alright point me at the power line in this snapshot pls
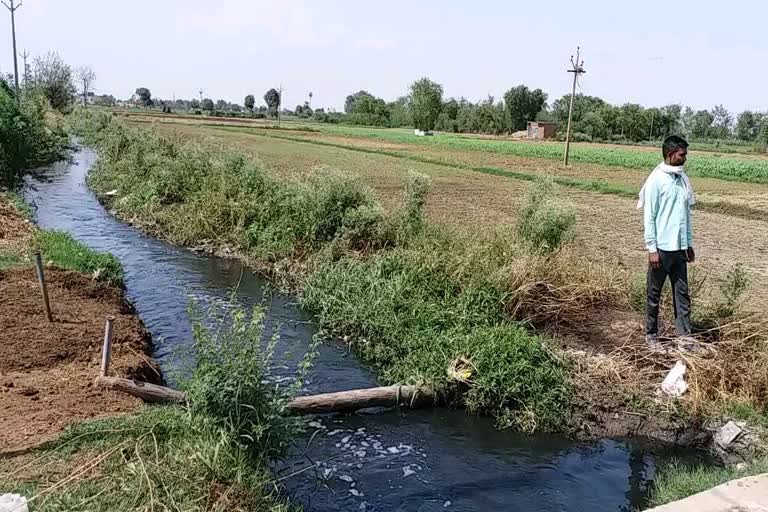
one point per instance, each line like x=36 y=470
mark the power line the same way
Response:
x=577 y=68
x=12 y=8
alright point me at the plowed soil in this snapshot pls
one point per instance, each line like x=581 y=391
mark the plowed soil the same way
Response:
x=47 y=369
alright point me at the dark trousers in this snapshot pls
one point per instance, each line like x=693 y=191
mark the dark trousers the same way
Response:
x=675 y=266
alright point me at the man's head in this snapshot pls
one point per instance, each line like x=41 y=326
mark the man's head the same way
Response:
x=675 y=150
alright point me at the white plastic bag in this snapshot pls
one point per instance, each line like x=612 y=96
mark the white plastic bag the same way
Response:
x=13 y=502
x=674 y=383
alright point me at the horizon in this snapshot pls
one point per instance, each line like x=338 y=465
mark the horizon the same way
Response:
x=338 y=48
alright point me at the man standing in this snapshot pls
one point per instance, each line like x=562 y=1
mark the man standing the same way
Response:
x=666 y=199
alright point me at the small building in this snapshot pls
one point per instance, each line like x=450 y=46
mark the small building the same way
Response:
x=541 y=130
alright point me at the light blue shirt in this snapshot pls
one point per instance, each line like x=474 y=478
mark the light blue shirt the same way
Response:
x=667 y=213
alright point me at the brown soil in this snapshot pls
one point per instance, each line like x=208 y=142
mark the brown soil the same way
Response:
x=47 y=370
x=15 y=231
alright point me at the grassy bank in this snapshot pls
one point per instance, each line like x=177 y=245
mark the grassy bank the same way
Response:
x=414 y=299
x=676 y=482
x=57 y=247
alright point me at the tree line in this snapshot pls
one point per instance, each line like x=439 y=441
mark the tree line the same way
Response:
x=424 y=107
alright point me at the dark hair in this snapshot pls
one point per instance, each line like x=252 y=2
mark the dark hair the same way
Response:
x=672 y=144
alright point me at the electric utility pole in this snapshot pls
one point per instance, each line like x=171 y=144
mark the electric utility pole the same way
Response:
x=13 y=8
x=25 y=56
x=279 y=103
x=201 y=98
x=577 y=68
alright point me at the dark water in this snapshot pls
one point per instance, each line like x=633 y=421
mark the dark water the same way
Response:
x=394 y=461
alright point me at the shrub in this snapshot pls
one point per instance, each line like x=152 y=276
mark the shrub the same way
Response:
x=27 y=137
x=543 y=223
x=233 y=384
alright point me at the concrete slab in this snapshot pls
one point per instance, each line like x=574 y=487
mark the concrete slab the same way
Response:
x=748 y=494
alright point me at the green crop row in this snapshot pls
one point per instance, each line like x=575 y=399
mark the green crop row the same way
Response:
x=750 y=170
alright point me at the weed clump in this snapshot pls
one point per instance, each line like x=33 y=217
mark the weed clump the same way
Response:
x=543 y=223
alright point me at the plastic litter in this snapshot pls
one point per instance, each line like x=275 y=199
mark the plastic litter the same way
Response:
x=13 y=502
x=674 y=383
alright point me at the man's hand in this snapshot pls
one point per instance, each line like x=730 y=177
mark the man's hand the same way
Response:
x=691 y=254
x=654 y=260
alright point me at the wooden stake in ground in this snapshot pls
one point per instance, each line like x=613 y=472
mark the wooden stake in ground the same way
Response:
x=43 y=288
x=106 y=351
x=577 y=69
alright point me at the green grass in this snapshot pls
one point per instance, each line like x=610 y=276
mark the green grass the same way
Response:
x=64 y=251
x=414 y=310
x=678 y=481
x=703 y=165
x=10 y=259
x=328 y=236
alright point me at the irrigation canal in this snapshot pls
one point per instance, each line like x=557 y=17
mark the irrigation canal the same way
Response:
x=426 y=460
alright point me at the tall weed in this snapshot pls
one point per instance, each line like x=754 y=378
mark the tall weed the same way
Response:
x=544 y=223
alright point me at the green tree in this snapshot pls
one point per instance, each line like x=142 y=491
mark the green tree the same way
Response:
x=426 y=102
x=222 y=105
x=207 y=104
x=145 y=96
x=365 y=109
x=701 y=124
x=272 y=99
x=521 y=105
x=746 y=126
x=400 y=112
x=249 y=102
x=194 y=103
x=54 y=80
x=722 y=122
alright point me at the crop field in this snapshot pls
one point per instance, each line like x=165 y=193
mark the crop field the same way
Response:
x=608 y=224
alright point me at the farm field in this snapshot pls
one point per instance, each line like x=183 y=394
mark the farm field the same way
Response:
x=609 y=226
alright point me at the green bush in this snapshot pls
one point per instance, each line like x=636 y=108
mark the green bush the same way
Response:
x=26 y=140
x=65 y=251
x=232 y=383
x=411 y=312
x=543 y=223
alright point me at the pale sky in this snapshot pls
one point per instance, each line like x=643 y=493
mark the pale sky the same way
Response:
x=653 y=52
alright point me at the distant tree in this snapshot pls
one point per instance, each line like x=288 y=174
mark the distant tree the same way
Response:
x=426 y=102
x=194 y=103
x=180 y=104
x=104 y=100
x=522 y=105
x=234 y=107
x=747 y=127
x=701 y=124
x=365 y=109
x=54 y=80
x=207 y=104
x=272 y=99
x=400 y=112
x=355 y=102
x=722 y=122
x=85 y=77
x=145 y=96
x=221 y=105
x=249 y=102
